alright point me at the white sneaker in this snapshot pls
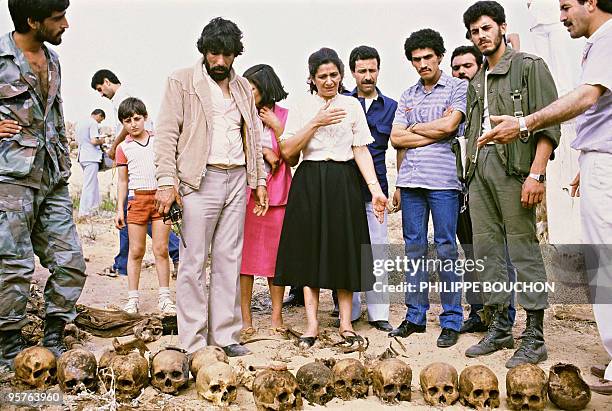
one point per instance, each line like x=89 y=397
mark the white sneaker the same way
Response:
x=166 y=306
x=131 y=307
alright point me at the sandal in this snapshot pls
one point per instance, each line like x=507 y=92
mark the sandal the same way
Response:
x=109 y=272
x=352 y=338
x=247 y=332
x=282 y=330
x=307 y=342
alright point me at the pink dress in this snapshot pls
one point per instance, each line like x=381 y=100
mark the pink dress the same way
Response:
x=262 y=234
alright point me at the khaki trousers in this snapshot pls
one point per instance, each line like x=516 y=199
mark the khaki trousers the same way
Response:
x=213 y=218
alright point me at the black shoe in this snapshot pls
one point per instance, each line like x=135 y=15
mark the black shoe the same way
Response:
x=473 y=325
x=293 y=300
x=406 y=328
x=11 y=344
x=532 y=349
x=236 y=350
x=54 y=335
x=381 y=325
x=447 y=338
x=498 y=336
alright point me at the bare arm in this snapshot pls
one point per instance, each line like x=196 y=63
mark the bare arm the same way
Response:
x=122 y=191
x=440 y=128
x=363 y=158
x=403 y=138
x=118 y=140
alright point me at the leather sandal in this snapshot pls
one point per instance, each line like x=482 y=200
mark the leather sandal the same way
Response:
x=352 y=337
x=307 y=342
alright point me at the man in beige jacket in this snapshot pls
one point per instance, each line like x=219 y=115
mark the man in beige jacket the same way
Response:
x=208 y=145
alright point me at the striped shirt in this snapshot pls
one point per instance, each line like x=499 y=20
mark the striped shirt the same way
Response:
x=432 y=167
x=138 y=158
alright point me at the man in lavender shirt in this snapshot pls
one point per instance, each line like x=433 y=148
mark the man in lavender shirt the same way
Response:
x=591 y=102
x=427 y=178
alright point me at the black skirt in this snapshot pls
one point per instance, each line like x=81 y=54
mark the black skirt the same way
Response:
x=325 y=242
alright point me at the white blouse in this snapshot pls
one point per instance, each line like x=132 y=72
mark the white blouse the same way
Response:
x=333 y=142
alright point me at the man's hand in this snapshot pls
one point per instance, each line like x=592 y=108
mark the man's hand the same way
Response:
x=119 y=219
x=532 y=193
x=448 y=111
x=261 y=201
x=575 y=184
x=271 y=158
x=165 y=197
x=379 y=204
x=327 y=116
x=396 y=203
x=111 y=152
x=8 y=128
x=506 y=130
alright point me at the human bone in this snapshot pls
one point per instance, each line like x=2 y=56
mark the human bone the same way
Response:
x=207 y=356
x=149 y=330
x=36 y=366
x=77 y=371
x=276 y=390
x=566 y=388
x=217 y=383
x=391 y=380
x=478 y=387
x=316 y=383
x=439 y=384
x=128 y=373
x=169 y=370
x=350 y=379
x=526 y=387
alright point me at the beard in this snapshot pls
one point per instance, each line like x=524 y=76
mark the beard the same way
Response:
x=218 y=73
x=496 y=44
x=43 y=35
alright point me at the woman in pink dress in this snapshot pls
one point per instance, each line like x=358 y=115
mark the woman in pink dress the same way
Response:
x=262 y=234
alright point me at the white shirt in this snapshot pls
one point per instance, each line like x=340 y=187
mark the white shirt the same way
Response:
x=85 y=131
x=544 y=12
x=486 y=121
x=226 y=148
x=333 y=142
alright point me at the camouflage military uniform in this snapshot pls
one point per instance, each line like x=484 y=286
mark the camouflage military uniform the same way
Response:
x=35 y=206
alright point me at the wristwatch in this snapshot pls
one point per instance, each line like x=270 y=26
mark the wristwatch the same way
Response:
x=540 y=178
x=524 y=132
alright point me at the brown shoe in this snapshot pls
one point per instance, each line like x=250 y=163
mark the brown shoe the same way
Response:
x=598 y=370
x=603 y=387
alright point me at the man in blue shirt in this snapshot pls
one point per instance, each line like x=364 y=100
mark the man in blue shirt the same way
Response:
x=428 y=182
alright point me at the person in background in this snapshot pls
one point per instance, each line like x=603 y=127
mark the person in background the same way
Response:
x=262 y=234
x=90 y=154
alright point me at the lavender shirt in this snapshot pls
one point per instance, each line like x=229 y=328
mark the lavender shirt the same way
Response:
x=594 y=127
x=433 y=166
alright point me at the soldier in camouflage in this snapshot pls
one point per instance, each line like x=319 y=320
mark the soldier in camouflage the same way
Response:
x=35 y=206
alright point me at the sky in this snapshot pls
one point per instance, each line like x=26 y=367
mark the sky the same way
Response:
x=142 y=41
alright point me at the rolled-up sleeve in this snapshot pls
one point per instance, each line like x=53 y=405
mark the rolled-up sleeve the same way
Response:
x=595 y=72
x=542 y=91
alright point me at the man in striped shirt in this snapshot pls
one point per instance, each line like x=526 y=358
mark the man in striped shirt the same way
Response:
x=427 y=178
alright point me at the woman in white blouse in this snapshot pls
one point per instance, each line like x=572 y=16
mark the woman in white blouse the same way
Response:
x=325 y=240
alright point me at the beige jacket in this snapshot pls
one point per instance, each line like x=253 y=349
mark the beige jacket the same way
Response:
x=185 y=127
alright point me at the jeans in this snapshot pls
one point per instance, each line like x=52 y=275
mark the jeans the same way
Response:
x=444 y=206
x=120 y=264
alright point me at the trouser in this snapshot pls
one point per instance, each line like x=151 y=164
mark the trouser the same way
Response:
x=444 y=206
x=90 y=193
x=38 y=222
x=378 y=302
x=213 y=218
x=120 y=264
x=595 y=200
x=500 y=221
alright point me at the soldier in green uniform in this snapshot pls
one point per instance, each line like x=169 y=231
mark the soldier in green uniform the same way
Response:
x=506 y=182
x=35 y=207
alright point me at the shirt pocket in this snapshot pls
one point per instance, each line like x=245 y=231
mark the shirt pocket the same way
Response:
x=16 y=103
x=17 y=155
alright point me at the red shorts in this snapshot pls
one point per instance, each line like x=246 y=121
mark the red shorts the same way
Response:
x=141 y=209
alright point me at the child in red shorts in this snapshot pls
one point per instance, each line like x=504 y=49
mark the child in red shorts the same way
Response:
x=137 y=174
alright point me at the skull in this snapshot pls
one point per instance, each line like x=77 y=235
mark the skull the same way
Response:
x=315 y=381
x=36 y=366
x=439 y=384
x=149 y=330
x=169 y=370
x=130 y=373
x=207 y=356
x=478 y=387
x=217 y=383
x=350 y=379
x=566 y=388
x=526 y=388
x=276 y=390
x=76 y=371
x=391 y=380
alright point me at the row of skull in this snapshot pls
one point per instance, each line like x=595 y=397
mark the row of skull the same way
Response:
x=527 y=385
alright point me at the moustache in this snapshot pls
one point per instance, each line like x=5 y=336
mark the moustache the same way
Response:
x=367 y=82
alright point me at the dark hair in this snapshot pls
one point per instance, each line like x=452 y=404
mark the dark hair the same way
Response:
x=484 y=8
x=603 y=5
x=98 y=112
x=221 y=36
x=131 y=106
x=37 y=10
x=99 y=76
x=363 y=53
x=461 y=50
x=320 y=57
x=267 y=82
x=423 y=39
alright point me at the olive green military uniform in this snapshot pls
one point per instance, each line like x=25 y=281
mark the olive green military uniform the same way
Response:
x=496 y=174
x=35 y=206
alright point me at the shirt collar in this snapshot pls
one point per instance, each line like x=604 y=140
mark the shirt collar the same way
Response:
x=380 y=96
x=443 y=81
x=603 y=29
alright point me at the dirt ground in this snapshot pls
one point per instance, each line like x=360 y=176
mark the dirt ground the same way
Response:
x=573 y=339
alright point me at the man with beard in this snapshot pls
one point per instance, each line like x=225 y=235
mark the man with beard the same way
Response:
x=35 y=207
x=207 y=151
x=591 y=102
x=507 y=182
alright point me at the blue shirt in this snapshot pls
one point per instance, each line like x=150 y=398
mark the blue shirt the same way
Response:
x=434 y=166
x=380 y=119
